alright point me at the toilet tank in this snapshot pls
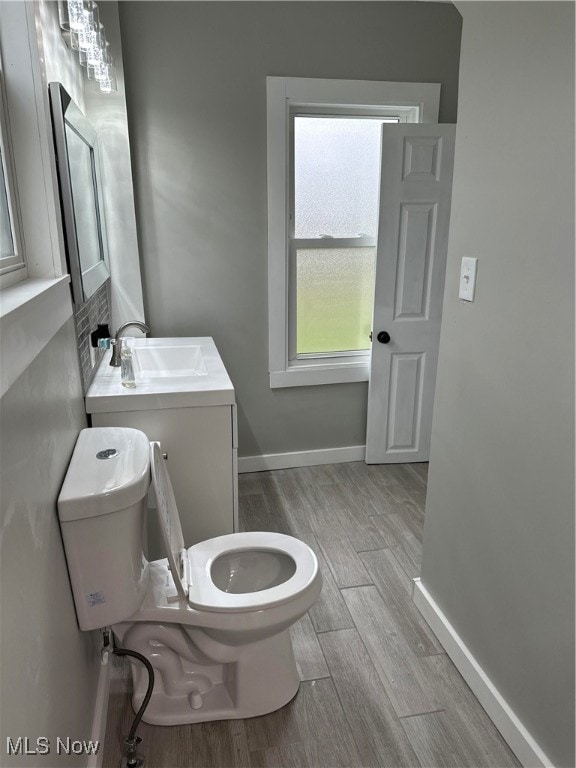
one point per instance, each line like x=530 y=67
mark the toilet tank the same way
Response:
x=102 y=511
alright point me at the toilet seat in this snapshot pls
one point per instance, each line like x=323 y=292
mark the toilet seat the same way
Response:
x=191 y=569
x=204 y=595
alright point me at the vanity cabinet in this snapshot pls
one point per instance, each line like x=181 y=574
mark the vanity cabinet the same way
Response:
x=195 y=422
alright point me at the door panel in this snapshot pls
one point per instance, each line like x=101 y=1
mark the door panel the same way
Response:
x=415 y=193
x=415 y=253
x=405 y=401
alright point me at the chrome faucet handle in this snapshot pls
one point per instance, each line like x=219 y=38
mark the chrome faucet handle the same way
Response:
x=132 y=324
x=116 y=342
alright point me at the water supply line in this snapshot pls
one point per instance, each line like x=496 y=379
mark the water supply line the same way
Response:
x=130 y=758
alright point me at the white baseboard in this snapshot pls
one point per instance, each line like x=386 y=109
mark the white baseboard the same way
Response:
x=301 y=458
x=101 y=712
x=515 y=734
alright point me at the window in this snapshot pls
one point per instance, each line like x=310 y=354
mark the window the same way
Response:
x=12 y=267
x=332 y=239
x=323 y=186
x=34 y=299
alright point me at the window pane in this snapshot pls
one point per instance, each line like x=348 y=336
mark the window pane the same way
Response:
x=6 y=242
x=336 y=170
x=335 y=296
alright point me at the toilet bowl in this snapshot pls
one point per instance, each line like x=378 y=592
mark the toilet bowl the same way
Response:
x=213 y=619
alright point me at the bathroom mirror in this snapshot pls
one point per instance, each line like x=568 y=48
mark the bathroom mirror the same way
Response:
x=80 y=195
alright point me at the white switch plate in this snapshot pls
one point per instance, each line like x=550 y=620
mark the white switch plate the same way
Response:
x=467 y=278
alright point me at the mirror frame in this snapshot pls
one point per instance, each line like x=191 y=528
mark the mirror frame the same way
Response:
x=85 y=282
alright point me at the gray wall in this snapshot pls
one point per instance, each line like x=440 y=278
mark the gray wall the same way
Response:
x=195 y=75
x=44 y=658
x=107 y=113
x=499 y=535
x=49 y=667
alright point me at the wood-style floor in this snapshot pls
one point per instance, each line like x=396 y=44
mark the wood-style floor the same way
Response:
x=377 y=689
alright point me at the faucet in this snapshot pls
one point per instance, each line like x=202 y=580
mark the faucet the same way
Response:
x=116 y=342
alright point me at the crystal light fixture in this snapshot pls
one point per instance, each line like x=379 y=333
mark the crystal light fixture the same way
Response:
x=83 y=32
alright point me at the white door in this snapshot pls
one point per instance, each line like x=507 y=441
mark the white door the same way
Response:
x=415 y=195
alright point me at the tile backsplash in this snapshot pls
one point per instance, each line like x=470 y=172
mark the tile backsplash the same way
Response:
x=87 y=317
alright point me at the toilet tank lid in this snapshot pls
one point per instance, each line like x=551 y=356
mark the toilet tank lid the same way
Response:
x=109 y=471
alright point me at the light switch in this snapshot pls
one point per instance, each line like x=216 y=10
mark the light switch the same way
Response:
x=467 y=278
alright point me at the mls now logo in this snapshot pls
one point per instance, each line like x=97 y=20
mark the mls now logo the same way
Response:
x=68 y=746
x=42 y=746
x=25 y=746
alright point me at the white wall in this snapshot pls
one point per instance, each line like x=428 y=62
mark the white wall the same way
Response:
x=196 y=93
x=499 y=536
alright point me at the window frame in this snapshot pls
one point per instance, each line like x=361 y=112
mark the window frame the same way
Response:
x=286 y=98
x=13 y=268
x=35 y=308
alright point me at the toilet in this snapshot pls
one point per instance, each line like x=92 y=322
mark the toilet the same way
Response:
x=212 y=619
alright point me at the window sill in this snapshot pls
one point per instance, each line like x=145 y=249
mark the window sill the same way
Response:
x=31 y=313
x=320 y=373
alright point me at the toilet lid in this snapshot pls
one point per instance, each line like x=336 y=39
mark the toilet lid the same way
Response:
x=191 y=570
x=169 y=520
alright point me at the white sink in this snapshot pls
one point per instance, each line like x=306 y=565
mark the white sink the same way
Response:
x=169 y=373
x=159 y=359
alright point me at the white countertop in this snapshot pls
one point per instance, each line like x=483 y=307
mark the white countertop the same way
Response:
x=107 y=395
